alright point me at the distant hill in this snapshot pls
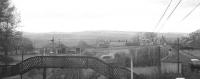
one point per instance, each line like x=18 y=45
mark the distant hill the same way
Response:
x=90 y=37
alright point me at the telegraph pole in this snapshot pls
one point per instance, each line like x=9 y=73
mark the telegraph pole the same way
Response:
x=159 y=62
x=178 y=48
x=59 y=51
x=132 y=66
x=53 y=47
x=178 y=57
x=132 y=63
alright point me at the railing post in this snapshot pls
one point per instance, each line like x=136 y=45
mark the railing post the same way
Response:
x=44 y=67
x=2 y=71
x=111 y=73
x=44 y=73
x=21 y=76
x=87 y=62
x=21 y=69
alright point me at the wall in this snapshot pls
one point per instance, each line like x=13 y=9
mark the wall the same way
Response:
x=170 y=67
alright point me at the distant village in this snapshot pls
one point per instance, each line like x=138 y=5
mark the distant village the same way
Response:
x=59 y=48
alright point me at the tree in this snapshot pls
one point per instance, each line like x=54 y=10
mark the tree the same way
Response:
x=26 y=44
x=194 y=38
x=83 y=45
x=150 y=35
x=121 y=59
x=191 y=41
x=9 y=20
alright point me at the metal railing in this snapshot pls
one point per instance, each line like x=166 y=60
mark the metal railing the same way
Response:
x=76 y=62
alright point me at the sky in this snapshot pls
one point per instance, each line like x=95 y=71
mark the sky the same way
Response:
x=108 y=15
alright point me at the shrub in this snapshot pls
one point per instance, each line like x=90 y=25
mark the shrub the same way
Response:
x=6 y=59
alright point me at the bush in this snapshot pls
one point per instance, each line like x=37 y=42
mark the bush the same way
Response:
x=6 y=59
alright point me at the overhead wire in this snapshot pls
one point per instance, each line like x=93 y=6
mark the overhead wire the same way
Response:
x=174 y=9
x=185 y=17
x=159 y=21
x=191 y=11
x=161 y=26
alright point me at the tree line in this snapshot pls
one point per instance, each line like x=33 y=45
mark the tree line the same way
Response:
x=10 y=38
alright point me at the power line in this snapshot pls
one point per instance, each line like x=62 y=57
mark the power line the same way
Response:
x=170 y=14
x=174 y=9
x=191 y=11
x=161 y=26
x=163 y=14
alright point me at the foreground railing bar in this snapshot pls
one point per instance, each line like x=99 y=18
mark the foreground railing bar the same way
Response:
x=77 y=62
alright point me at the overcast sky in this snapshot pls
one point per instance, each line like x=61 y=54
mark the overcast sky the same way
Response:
x=115 y=15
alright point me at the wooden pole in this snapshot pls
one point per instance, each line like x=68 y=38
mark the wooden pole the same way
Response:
x=159 y=63
x=178 y=57
x=132 y=66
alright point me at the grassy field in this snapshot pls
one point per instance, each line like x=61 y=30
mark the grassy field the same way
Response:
x=145 y=61
x=193 y=52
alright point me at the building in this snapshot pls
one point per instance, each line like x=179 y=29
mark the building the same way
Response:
x=169 y=64
x=118 y=43
x=55 y=48
x=103 y=44
x=111 y=43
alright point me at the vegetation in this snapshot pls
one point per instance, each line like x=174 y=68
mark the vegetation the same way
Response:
x=148 y=56
x=192 y=39
x=9 y=20
x=150 y=35
x=27 y=44
x=122 y=60
x=83 y=45
x=5 y=59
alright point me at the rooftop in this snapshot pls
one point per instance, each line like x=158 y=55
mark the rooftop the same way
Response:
x=183 y=57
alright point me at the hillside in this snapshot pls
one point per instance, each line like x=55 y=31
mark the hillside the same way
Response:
x=91 y=37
